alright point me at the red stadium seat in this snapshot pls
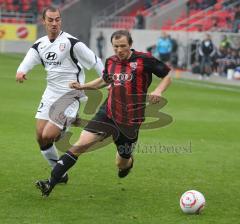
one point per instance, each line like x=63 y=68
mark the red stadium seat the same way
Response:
x=40 y=6
x=48 y=2
x=193 y=28
x=26 y=5
x=218 y=6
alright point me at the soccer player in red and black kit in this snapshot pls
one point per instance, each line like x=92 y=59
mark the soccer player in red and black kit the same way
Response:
x=128 y=74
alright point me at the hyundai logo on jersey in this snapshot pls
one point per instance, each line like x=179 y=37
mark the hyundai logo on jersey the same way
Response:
x=51 y=56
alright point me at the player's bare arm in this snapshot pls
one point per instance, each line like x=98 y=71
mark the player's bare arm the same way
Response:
x=155 y=96
x=95 y=84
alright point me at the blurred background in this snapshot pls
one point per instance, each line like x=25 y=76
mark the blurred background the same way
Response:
x=173 y=28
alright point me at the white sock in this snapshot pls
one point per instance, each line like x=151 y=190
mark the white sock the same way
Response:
x=51 y=155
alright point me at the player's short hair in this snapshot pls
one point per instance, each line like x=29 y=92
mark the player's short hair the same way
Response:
x=50 y=9
x=119 y=33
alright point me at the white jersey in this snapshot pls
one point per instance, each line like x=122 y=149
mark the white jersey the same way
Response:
x=64 y=59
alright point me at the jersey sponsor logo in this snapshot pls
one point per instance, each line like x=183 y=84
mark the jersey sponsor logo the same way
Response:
x=62 y=46
x=55 y=63
x=51 y=56
x=121 y=78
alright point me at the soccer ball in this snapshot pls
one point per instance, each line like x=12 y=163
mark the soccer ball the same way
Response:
x=192 y=202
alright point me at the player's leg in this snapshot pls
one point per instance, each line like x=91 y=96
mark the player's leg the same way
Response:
x=125 y=145
x=86 y=140
x=46 y=133
x=96 y=130
x=124 y=161
x=46 y=145
x=67 y=160
x=40 y=124
x=50 y=125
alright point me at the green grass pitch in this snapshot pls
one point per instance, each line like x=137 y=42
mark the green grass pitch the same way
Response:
x=205 y=115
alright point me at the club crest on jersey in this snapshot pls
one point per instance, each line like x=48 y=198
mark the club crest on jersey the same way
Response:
x=133 y=65
x=62 y=46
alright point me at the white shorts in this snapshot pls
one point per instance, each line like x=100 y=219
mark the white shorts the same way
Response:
x=61 y=111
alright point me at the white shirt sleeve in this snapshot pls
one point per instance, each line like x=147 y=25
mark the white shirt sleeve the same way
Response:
x=31 y=59
x=87 y=58
x=99 y=67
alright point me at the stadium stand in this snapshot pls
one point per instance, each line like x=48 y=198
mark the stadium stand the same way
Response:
x=124 y=15
x=202 y=15
x=216 y=17
x=195 y=15
x=26 y=11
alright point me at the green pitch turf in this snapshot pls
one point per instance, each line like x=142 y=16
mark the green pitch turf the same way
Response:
x=198 y=150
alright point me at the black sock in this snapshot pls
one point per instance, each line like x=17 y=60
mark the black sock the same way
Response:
x=65 y=162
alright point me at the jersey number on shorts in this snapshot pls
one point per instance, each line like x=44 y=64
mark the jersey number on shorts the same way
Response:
x=40 y=107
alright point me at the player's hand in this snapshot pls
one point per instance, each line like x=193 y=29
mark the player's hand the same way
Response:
x=154 y=97
x=20 y=77
x=75 y=85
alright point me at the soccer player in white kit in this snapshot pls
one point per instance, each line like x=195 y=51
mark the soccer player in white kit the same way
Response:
x=64 y=58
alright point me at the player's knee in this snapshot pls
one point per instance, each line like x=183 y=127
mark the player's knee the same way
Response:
x=47 y=137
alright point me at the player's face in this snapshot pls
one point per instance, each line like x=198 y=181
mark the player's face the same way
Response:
x=122 y=48
x=53 y=23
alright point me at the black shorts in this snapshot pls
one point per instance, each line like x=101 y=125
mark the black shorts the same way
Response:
x=124 y=136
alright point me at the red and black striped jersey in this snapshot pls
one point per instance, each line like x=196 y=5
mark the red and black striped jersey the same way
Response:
x=129 y=81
